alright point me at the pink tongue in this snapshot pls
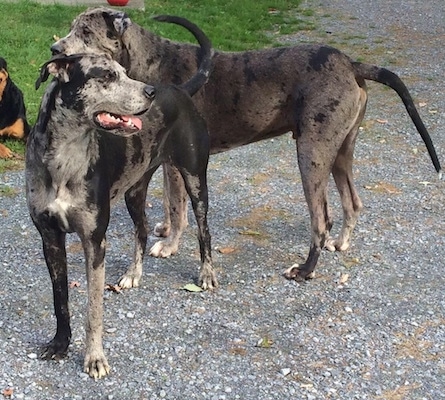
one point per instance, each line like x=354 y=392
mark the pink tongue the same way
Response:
x=135 y=121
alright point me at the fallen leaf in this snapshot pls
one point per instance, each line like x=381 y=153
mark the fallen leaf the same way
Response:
x=238 y=351
x=226 y=250
x=422 y=104
x=250 y=232
x=74 y=284
x=383 y=187
x=343 y=279
x=265 y=343
x=113 y=288
x=191 y=287
x=8 y=392
x=306 y=385
x=350 y=262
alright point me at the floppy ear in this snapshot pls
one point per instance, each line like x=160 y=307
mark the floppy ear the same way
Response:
x=3 y=64
x=58 y=67
x=118 y=21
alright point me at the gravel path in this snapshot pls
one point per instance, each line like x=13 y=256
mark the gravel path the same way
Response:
x=370 y=326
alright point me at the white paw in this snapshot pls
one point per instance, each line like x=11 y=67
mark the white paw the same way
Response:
x=96 y=366
x=207 y=278
x=163 y=249
x=336 y=245
x=330 y=245
x=129 y=281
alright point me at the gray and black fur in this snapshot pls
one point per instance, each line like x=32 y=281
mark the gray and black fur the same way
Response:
x=315 y=91
x=86 y=151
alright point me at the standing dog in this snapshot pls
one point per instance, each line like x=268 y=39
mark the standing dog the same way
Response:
x=13 y=122
x=315 y=91
x=91 y=145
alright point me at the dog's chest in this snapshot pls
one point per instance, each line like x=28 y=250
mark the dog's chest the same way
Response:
x=65 y=197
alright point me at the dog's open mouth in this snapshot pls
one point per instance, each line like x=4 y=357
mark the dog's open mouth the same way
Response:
x=128 y=123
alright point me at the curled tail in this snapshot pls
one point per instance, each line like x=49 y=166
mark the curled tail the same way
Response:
x=201 y=77
x=388 y=78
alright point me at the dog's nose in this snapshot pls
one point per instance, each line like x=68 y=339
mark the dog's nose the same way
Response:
x=56 y=49
x=150 y=91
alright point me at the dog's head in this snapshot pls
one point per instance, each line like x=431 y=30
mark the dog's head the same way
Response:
x=96 y=89
x=97 y=30
x=3 y=76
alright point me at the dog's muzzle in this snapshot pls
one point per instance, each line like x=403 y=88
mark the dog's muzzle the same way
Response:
x=56 y=48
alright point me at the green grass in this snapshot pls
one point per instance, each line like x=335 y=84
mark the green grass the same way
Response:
x=232 y=25
x=7 y=191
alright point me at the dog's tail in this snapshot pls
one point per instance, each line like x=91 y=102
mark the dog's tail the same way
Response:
x=206 y=53
x=388 y=78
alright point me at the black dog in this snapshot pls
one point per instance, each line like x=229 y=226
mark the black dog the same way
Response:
x=84 y=153
x=13 y=122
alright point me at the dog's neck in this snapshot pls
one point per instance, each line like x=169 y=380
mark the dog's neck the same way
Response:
x=158 y=67
x=67 y=147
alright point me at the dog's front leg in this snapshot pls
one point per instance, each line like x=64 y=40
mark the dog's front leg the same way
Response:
x=175 y=218
x=95 y=362
x=55 y=256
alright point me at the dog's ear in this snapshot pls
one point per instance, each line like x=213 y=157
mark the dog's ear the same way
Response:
x=3 y=64
x=59 y=67
x=117 y=21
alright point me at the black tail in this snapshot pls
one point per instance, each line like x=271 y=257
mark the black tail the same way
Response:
x=201 y=77
x=388 y=78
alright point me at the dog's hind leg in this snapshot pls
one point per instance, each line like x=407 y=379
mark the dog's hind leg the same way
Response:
x=325 y=132
x=55 y=256
x=175 y=214
x=135 y=201
x=196 y=187
x=351 y=203
x=315 y=176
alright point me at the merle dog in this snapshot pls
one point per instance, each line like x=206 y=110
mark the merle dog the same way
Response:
x=100 y=135
x=315 y=91
x=13 y=122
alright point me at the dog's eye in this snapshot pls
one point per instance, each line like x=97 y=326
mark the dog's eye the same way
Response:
x=111 y=76
x=108 y=76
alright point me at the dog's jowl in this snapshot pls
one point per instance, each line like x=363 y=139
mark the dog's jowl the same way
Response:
x=99 y=136
x=13 y=122
x=314 y=91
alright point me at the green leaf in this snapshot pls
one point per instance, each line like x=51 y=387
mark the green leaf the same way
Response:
x=191 y=287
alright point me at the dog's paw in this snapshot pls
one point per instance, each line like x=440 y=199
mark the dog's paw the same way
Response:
x=332 y=244
x=207 y=278
x=5 y=152
x=129 y=281
x=55 y=350
x=161 y=229
x=297 y=273
x=96 y=365
x=163 y=249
